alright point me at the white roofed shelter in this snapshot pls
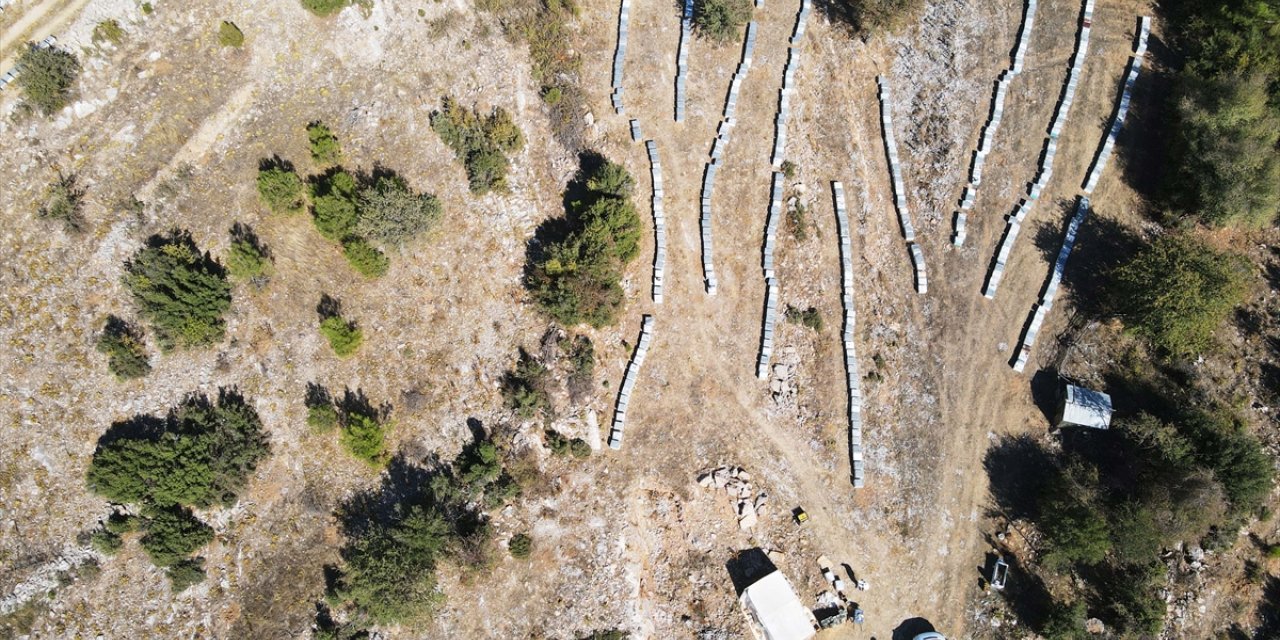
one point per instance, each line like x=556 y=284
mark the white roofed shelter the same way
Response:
x=1084 y=408
x=775 y=607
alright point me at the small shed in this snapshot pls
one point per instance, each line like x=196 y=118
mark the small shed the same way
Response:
x=1084 y=408
x=775 y=607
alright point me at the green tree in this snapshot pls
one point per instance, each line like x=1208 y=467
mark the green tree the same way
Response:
x=1228 y=170
x=364 y=436
x=333 y=205
x=391 y=213
x=185 y=574
x=325 y=149
x=1066 y=622
x=229 y=35
x=1074 y=526
x=172 y=534
x=105 y=542
x=247 y=258
x=46 y=78
x=180 y=291
x=63 y=203
x=1178 y=291
x=520 y=545
x=200 y=454
x=721 y=20
x=365 y=258
x=345 y=337
x=577 y=278
x=280 y=188
x=1234 y=455
x=525 y=388
x=126 y=352
x=388 y=570
x=874 y=15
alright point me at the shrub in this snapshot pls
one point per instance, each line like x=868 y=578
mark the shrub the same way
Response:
x=520 y=545
x=556 y=441
x=247 y=258
x=366 y=259
x=481 y=143
x=788 y=169
x=125 y=349
x=185 y=574
x=579 y=448
x=105 y=542
x=120 y=523
x=147 y=9
x=391 y=213
x=108 y=31
x=345 y=337
x=525 y=388
x=325 y=8
x=181 y=292
x=1177 y=291
x=172 y=534
x=721 y=20
x=364 y=436
x=325 y=149
x=280 y=188
x=200 y=454
x=874 y=15
x=1066 y=621
x=576 y=278
x=47 y=76
x=229 y=35
x=333 y=204
x=810 y=317
x=322 y=418
x=388 y=570
x=62 y=203
x=798 y=222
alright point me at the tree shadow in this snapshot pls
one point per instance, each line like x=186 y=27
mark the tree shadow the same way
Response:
x=138 y=427
x=1018 y=468
x=1046 y=392
x=1102 y=245
x=328 y=307
x=1268 y=612
x=241 y=232
x=911 y=627
x=1026 y=594
x=181 y=238
x=354 y=401
x=317 y=396
x=748 y=566
x=275 y=162
x=121 y=329
x=1144 y=147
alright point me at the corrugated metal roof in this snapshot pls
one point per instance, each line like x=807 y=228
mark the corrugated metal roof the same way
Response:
x=1086 y=408
x=774 y=604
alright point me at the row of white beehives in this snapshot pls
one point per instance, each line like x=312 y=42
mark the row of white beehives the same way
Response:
x=1041 y=310
x=771 y=288
x=987 y=140
x=852 y=377
x=900 y=186
x=1131 y=78
x=788 y=85
x=1050 y=153
x=659 y=222
x=629 y=382
x=770 y=321
x=708 y=265
x=682 y=57
x=620 y=54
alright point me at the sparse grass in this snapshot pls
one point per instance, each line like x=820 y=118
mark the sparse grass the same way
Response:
x=788 y=169
x=63 y=203
x=229 y=35
x=798 y=222
x=810 y=317
x=147 y=9
x=325 y=8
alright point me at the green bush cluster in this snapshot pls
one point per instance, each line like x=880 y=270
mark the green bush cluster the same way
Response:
x=280 y=188
x=480 y=142
x=721 y=20
x=389 y=560
x=229 y=35
x=576 y=279
x=47 y=78
x=125 y=349
x=362 y=427
x=200 y=455
x=182 y=292
x=562 y=446
x=874 y=15
x=365 y=258
x=391 y=213
x=1177 y=292
x=524 y=389
x=1225 y=122
x=63 y=203
x=810 y=317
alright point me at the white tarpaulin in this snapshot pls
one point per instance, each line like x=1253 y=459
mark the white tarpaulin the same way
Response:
x=774 y=604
